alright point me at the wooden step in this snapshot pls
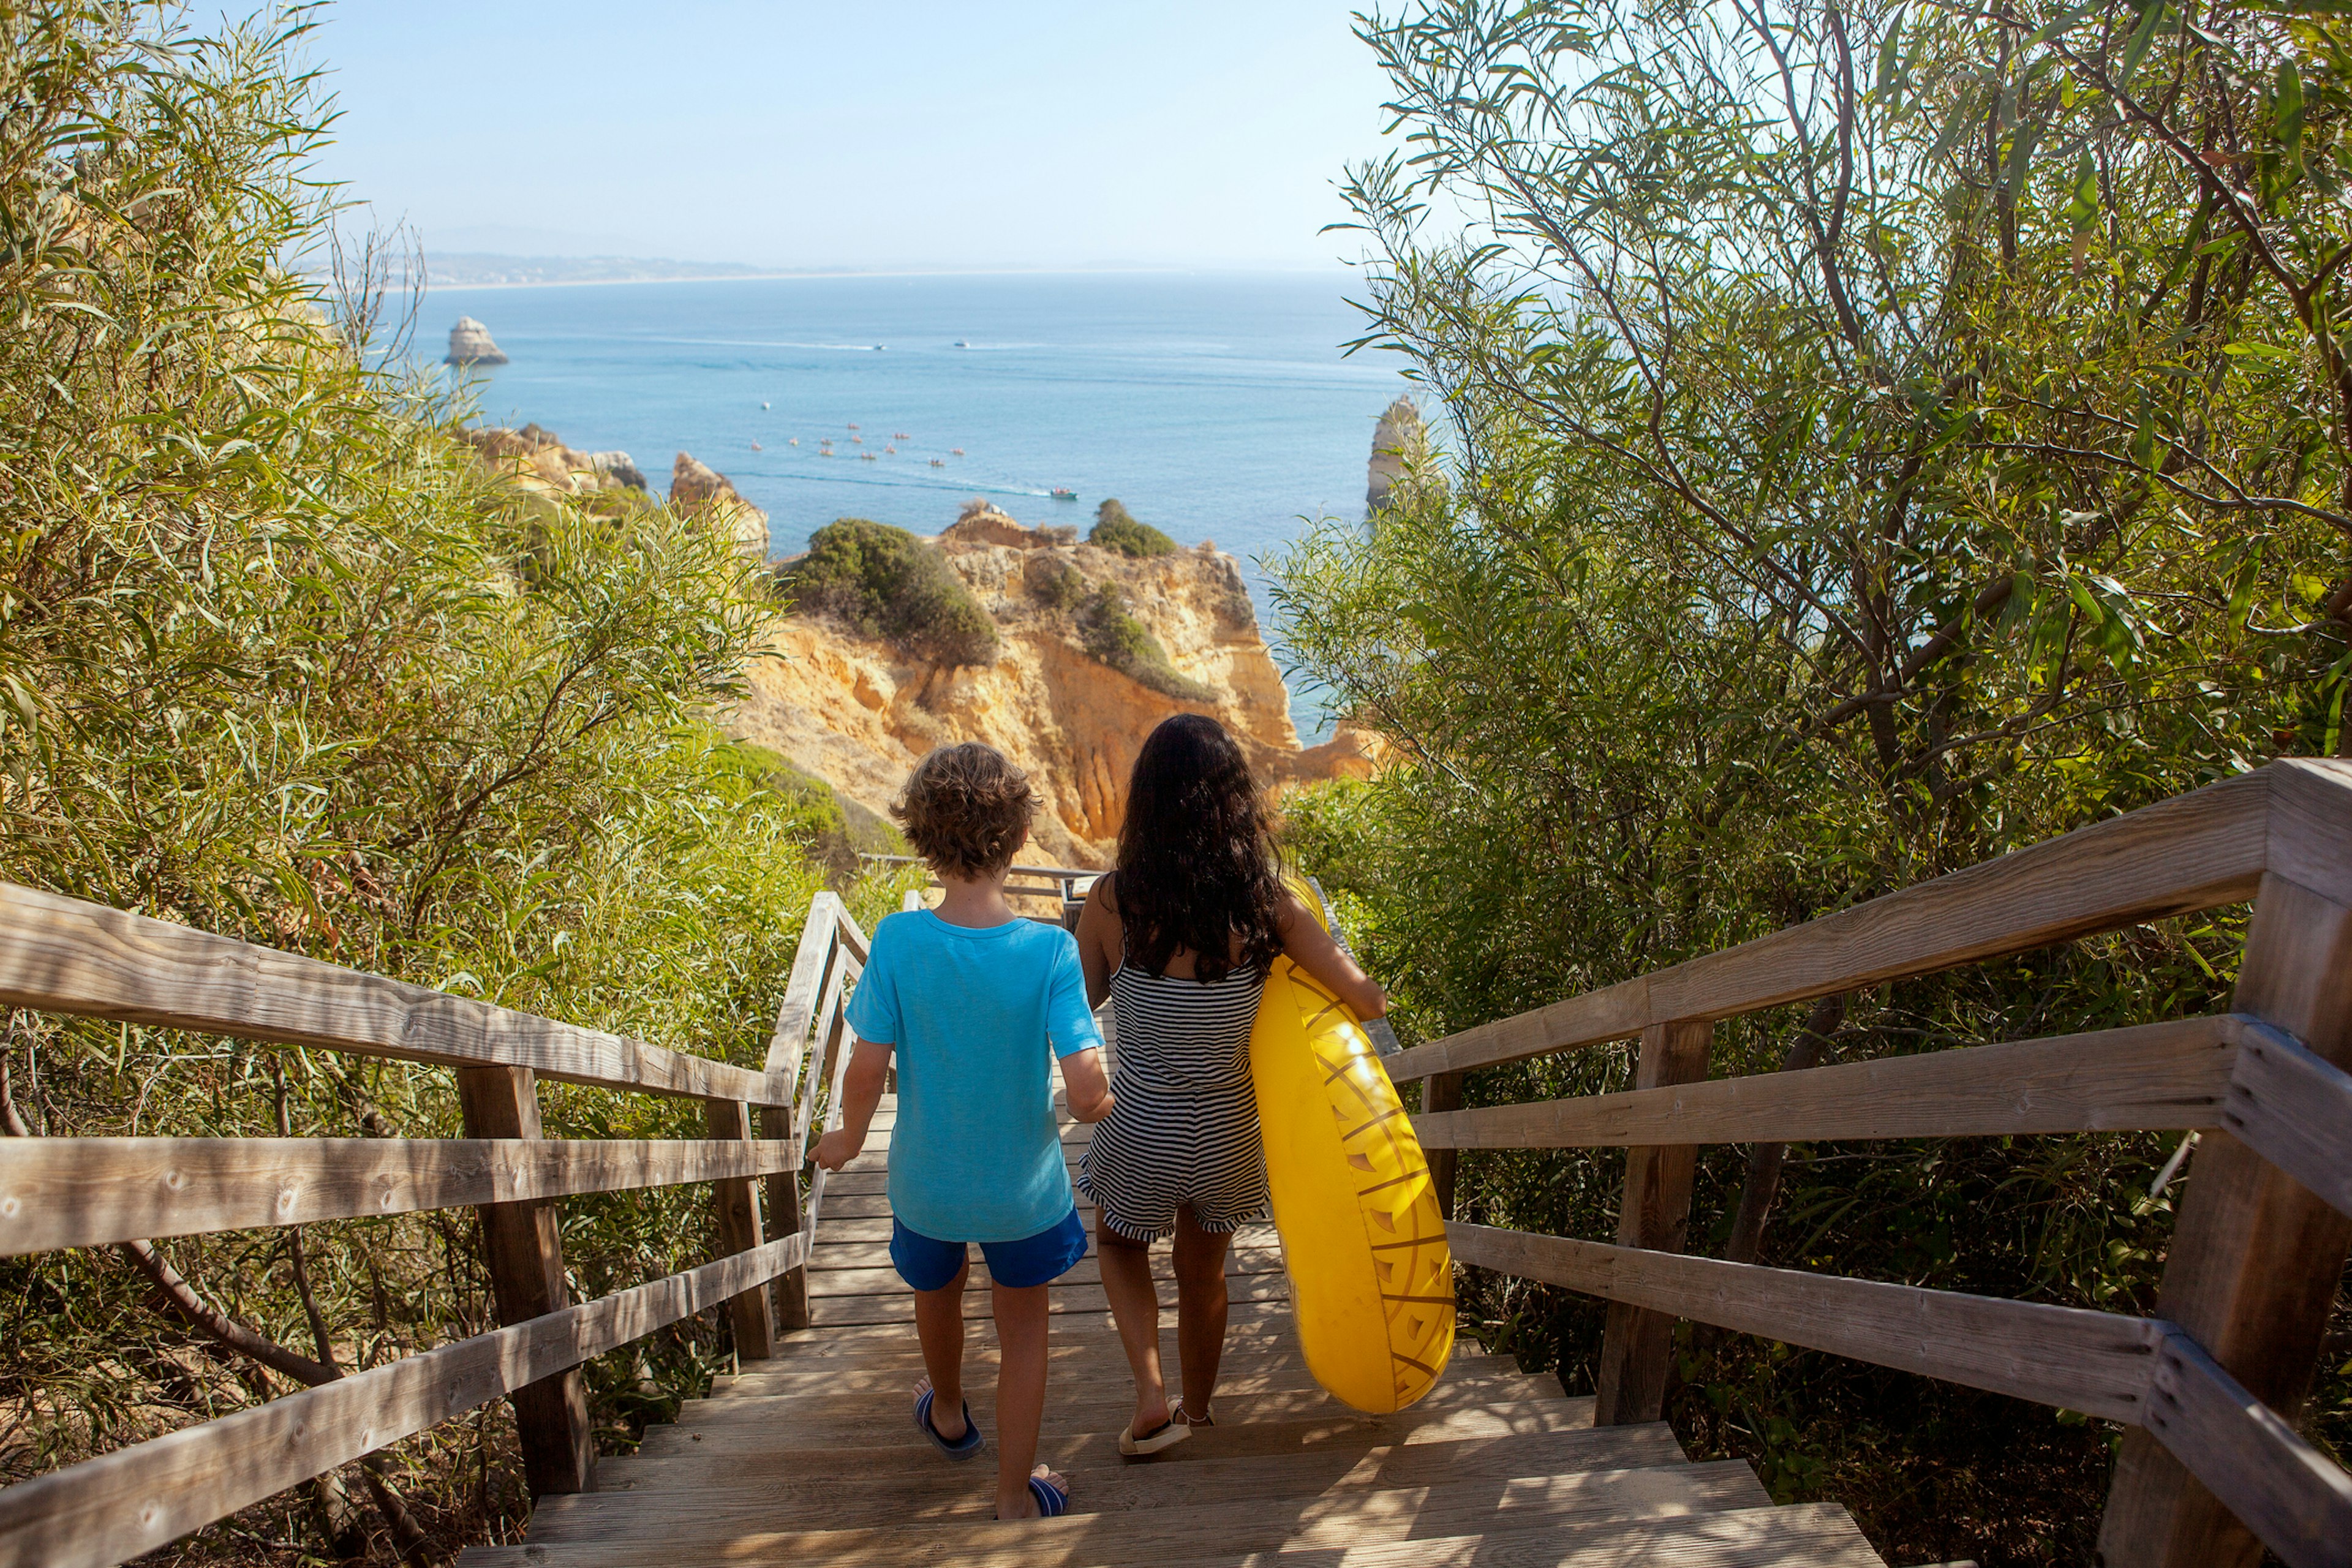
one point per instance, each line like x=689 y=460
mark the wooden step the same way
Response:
x=865 y=1267
x=890 y=1377
x=1342 y=1429
x=827 y=1311
x=1228 y=1456
x=1150 y=1522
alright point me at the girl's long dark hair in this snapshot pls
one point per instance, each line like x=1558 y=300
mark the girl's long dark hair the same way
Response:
x=1196 y=861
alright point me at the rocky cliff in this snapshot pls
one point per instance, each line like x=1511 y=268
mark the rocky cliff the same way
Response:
x=857 y=712
x=538 y=461
x=470 y=343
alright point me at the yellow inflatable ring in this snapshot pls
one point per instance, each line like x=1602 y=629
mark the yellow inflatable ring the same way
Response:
x=1372 y=1279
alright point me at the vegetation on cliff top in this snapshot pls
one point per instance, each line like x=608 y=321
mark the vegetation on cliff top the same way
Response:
x=1117 y=528
x=278 y=659
x=888 y=584
x=1789 y=558
x=1109 y=631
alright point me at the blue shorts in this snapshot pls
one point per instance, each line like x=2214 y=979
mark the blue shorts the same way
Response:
x=930 y=1265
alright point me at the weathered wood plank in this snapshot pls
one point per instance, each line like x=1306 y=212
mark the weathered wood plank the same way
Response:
x=2311 y=825
x=2096 y=1363
x=750 y=1315
x=2296 y=1111
x=2291 y=1496
x=2152 y=1075
x=2189 y=853
x=92 y=1192
x=1636 y=1343
x=2255 y=1255
x=522 y=1244
x=104 y=1511
x=64 y=955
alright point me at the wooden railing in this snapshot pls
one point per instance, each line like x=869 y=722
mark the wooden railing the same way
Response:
x=61 y=955
x=2211 y=1462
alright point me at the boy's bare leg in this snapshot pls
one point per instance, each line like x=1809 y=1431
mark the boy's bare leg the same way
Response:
x=939 y=1324
x=1134 y=1307
x=1200 y=1307
x=1020 y=1395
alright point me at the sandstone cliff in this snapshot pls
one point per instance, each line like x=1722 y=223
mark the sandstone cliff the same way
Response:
x=470 y=343
x=857 y=712
x=538 y=462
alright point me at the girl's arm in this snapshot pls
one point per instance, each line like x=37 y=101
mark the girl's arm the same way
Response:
x=1307 y=944
x=1086 y=1086
x=861 y=1091
x=1098 y=941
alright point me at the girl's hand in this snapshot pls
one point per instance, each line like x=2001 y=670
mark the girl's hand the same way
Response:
x=1086 y=1086
x=837 y=1148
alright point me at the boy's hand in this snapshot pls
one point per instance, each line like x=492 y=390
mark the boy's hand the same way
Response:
x=837 y=1148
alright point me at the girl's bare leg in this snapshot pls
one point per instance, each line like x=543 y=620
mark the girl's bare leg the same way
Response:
x=1200 y=1307
x=1135 y=1307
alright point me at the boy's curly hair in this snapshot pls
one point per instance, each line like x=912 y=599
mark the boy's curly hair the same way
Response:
x=966 y=810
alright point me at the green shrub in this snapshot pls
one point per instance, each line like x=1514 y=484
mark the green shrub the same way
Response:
x=1056 y=584
x=890 y=585
x=1117 y=528
x=1110 y=634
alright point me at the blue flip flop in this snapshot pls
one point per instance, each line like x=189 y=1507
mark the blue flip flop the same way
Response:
x=1052 y=1501
x=963 y=1447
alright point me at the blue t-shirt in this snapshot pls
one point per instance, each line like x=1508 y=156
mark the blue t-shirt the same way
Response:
x=976 y=1155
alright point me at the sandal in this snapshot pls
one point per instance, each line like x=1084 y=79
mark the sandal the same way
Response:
x=1208 y=1416
x=1053 y=1499
x=1167 y=1434
x=963 y=1447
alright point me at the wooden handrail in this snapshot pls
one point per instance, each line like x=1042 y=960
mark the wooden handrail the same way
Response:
x=93 y=1192
x=2255 y=1254
x=2194 y=852
x=63 y=955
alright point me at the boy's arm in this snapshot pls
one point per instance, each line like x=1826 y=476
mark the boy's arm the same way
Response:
x=861 y=1090
x=1088 y=1085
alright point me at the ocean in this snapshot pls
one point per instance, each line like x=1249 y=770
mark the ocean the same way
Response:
x=1216 y=406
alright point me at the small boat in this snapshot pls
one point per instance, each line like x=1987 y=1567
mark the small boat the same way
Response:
x=892 y=450
x=938 y=462
x=868 y=457
x=879 y=347
x=858 y=440
x=757 y=447
x=1060 y=494
x=955 y=451
x=763 y=408
x=961 y=343
x=853 y=427
x=793 y=442
x=901 y=435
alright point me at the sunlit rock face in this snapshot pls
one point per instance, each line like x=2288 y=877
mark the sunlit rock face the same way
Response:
x=1399 y=443
x=470 y=343
x=697 y=490
x=858 y=711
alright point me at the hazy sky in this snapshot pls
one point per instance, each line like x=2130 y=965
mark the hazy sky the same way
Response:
x=982 y=134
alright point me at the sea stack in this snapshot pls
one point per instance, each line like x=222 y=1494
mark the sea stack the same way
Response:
x=695 y=488
x=1401 y=442
x=470 y=343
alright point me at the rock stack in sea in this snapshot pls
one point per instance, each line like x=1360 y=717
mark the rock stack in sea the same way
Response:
x=470 y=343
x=1401 y=443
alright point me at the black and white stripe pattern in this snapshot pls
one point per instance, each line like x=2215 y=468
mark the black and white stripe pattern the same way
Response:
x=1185 y=1128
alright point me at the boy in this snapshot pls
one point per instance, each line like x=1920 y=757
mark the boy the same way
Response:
x=971 y=996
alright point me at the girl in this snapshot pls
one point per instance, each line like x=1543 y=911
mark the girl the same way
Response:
x=1180 y=937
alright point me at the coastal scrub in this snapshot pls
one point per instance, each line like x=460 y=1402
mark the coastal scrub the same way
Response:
x=1117 y=528
x=1110 y=633
x=888 y=584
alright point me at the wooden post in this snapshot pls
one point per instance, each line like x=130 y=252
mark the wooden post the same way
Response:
x=1442 y=1091
x=784 y=1214
x=2255 y=1257
x=1635 y=1344
x=525 y=1252
x=739 y=1231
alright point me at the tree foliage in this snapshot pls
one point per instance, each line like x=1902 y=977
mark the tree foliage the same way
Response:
x=278 y=659
x=1881 y=437
x=1116 y=527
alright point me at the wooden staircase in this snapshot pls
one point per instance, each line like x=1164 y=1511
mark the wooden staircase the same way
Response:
x=811 y=1457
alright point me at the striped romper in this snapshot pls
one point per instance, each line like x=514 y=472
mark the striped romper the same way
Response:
x=1184 y=1130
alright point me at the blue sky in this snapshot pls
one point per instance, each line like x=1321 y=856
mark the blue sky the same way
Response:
x=977 y=134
